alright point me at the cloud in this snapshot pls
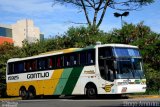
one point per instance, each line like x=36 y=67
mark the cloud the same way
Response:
x=55 y=29
x=49 y=18
x=31 y=6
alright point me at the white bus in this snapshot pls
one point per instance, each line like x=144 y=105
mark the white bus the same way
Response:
x=100 y=69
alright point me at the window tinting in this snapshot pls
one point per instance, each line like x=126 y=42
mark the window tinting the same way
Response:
x=82 y=58
x=50 y=62
x=42 y=64
x=34 y=65
x=59 y=61
x=16 y=67
x=67 y=60
x=105 y=52
x=20 y=67
x=126 y=52
x=10 y=68
x=91 y=57
x=28 y=66
x=74 y=59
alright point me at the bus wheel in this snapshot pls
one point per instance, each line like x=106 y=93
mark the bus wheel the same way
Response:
x=31 y=93
x=23 y=94
x=91 y=92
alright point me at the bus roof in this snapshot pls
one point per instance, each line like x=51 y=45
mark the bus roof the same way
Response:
x=117 y=45
x=70 y=50
x=46 y=54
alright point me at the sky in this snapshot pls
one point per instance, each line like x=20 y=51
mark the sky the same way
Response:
x=55 y=19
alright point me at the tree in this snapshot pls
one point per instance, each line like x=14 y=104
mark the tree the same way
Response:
x=99 y=7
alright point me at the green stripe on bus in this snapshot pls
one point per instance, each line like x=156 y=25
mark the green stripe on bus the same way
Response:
x=72 y=80
x=62 y=81
x=83 y=49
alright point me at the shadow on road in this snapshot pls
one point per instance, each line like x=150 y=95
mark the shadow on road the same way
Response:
x=82 y=97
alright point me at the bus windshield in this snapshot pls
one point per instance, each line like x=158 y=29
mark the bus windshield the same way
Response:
x=130 y=69
x=128 y=62
x=126 y=52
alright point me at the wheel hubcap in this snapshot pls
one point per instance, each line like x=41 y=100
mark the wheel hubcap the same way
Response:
x=91 y=92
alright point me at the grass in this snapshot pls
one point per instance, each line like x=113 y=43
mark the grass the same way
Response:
x=143 y=96
x=10 y=99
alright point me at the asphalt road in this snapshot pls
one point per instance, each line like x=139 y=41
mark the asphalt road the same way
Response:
x=81 y=102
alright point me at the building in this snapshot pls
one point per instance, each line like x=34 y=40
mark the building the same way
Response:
x=20 y=31
x=25 y=30
x=5 y=34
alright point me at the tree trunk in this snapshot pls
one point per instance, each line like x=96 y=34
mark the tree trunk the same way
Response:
x=103 y=13
x=95 y=18
x=86 y=14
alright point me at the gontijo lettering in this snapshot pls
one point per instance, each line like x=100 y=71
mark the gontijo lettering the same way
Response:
x=38 y=75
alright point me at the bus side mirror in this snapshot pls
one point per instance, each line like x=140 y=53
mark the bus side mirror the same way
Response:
x=115 y=65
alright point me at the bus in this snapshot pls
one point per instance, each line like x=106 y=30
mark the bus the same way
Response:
x=93 y=70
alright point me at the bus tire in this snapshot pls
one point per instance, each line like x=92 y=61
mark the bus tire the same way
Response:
x=91 y=91
x=23 y=93
x=31 y=92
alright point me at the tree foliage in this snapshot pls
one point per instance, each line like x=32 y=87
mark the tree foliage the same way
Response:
x=98 y=7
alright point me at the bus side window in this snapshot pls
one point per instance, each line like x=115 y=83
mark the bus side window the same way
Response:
x=105 y=52
x=72 y=61
x=76 y=59
x=28 y=66
x=42 y=64
x=39 y=64
x=16 y=67
x=62 y=61
x=59 y=61
x=21 y=67
x=10 y=68
x=90 y=60
x=83 y=58
x=34 y=65
x=91 y=57
x=66 y=60
x=50 y=63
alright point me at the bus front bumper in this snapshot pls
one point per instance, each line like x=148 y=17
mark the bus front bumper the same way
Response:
x=130 y=89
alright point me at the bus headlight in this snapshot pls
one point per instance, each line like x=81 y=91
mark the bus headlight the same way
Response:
x=143 y=82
